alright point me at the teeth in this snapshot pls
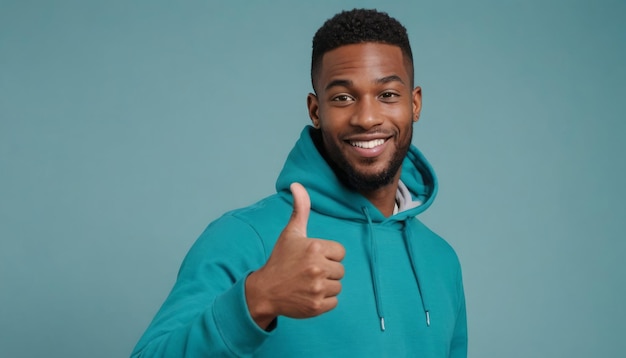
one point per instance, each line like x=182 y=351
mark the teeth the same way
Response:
x=367 y=144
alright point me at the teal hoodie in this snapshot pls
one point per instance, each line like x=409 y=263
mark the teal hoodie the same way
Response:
x=402 y=293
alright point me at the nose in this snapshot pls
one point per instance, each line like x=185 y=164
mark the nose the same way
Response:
x=366 y=114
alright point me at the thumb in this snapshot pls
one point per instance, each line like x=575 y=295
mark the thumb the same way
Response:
x=301 y=209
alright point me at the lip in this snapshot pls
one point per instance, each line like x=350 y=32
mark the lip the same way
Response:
x=368 y=152
x=367 y=137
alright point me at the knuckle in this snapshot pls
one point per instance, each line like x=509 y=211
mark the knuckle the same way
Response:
x=316 y=307
x=314 y=271
x=312 y=308
x=316 y=288
x=314 y=246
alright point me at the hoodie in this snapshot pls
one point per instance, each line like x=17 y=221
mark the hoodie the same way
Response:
x=402 y=293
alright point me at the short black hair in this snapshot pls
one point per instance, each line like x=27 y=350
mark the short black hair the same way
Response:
x=359 y=26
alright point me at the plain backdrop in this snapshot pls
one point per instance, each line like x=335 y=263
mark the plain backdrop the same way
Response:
x=127 y=126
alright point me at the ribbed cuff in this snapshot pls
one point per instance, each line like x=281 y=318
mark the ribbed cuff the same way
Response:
x=238 y=330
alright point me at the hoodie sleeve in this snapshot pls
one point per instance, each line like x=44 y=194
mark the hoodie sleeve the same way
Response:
x=206 y=313
x=458 y=346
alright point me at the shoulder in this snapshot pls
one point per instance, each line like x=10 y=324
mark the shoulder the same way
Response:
x=266 y=217
x=261 y=211
x=245 y=228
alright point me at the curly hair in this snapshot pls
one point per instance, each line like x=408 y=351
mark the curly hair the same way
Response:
x=359 y=26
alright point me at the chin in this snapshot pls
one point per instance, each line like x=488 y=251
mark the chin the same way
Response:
x=368 y=181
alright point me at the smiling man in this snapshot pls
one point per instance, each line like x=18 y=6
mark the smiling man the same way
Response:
x=335 y=263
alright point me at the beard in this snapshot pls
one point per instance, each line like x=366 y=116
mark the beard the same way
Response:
x=358 y=180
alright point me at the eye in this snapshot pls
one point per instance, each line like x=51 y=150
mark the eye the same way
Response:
x=388 y=95
x=341 y=98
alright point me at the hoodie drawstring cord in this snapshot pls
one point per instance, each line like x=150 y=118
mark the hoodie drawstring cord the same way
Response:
x=409 y=245
x=374 y=269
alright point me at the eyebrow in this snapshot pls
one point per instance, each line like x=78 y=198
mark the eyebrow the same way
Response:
x=348 y=83
x=338 y=83
x=392 y=78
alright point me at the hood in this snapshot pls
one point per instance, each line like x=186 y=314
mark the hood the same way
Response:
x=329 y=196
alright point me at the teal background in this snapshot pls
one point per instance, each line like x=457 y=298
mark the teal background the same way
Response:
x=127 y=126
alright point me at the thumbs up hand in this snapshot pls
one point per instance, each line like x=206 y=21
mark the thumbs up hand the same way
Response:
x=301 y=277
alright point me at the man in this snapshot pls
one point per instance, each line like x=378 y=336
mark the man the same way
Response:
x=335 y=263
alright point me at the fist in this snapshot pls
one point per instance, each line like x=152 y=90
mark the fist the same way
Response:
x=301 y=279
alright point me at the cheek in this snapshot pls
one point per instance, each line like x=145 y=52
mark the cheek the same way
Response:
x=403 y=119
x=398 y=112
x=334 y=119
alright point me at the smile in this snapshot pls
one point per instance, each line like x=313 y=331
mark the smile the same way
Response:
x=367 y=144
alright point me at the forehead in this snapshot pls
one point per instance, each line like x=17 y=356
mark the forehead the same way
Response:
x=366 y=61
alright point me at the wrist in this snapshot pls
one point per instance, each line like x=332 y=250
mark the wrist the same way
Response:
x=259 y=306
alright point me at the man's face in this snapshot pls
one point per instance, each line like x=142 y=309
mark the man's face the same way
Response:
x=365 y=108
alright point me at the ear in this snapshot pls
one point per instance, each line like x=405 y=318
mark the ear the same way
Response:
x=417 y=103
x=313 y=106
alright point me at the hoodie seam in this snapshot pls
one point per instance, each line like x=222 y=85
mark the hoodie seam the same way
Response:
x=256 y=232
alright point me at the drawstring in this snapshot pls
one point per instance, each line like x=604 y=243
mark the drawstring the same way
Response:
x=409 y=244
x=374 y=269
